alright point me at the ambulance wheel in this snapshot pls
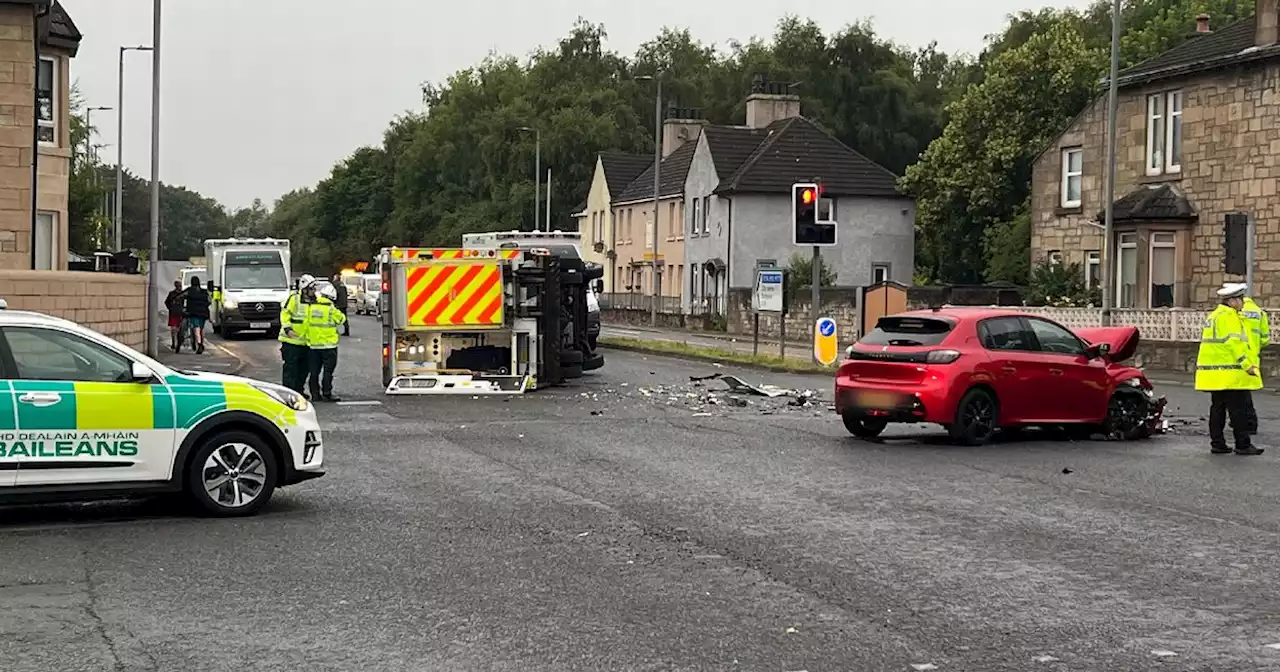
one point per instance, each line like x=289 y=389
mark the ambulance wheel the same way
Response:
x=232 y=473
x=571 y=371
x=571 y=357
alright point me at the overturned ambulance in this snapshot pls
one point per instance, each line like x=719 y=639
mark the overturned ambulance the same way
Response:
x=480 y=321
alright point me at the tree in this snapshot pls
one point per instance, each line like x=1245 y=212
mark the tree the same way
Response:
x=800 y=272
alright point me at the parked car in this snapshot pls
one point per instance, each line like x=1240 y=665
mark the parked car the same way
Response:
x=370 y=292
x=979 y=370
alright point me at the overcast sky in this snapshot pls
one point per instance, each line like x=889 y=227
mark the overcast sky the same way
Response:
x=262 y=96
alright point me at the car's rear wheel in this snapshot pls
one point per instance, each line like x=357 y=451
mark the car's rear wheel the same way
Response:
x=1126 y=416
x=977 y=418
x=863 y=428
x=232 y=473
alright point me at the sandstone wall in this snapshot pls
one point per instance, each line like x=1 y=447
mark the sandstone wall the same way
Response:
x=111 y=303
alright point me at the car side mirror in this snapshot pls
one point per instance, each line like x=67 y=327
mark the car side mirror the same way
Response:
x=848 y=352
x=141 y=373
x=1098 y=350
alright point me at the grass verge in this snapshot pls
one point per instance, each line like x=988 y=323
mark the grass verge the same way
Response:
x=724 y=356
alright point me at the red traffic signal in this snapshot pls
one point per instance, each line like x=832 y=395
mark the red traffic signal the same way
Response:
x=807 y=196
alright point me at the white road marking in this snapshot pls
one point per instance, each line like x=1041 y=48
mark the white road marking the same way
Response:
x=1275 y=646
x=361 y=402
x=1045 y=659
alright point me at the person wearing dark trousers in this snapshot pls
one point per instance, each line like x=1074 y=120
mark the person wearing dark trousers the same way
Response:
x=294 y=354
x=323 y=320
x=1225 y=369
x=196 y=304
x=340 y=288
x=1257 y=326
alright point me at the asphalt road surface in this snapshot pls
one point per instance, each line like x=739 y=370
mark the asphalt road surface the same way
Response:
x=639 y=521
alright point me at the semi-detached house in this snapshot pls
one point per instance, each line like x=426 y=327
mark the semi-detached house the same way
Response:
x=1198 y=137
x=613 y=173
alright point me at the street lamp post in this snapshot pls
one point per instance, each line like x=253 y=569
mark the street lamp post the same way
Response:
x=88 y=123
x=153 y=260
x=118 y=220
x=657 y=186
x=1108 y=248
x=537 y=171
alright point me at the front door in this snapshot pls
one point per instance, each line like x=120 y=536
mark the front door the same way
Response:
x=81 y=418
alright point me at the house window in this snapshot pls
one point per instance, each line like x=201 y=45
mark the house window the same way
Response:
x=706 y=214
x=1092 y=269
x=1164 y=252
x=1164 y=133
x=1055 y=257
x=1127 y=271
x=879 y=273
x=1072 y=172
x=46 y=101
x=826 y=209
x=671 y=219
x=629 y=213
x=697 y=216
x=46 y=240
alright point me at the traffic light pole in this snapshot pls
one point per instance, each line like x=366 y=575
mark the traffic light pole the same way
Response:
x=815 y=289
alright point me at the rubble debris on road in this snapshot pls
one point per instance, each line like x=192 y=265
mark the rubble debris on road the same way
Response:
x=737 y=384
x=709 y=376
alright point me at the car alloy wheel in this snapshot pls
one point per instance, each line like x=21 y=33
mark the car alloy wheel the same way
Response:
x=976 y=418
x=232 y=474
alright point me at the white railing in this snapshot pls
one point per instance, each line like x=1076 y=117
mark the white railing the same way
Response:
x=1166 y=324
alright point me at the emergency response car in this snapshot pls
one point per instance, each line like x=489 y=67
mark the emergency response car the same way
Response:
x=85 y=417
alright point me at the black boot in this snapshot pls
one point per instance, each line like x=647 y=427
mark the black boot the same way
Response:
x=1250 y=450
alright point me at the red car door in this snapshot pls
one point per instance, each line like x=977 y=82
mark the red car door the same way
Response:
x=1013 y=366
x=1075 y=385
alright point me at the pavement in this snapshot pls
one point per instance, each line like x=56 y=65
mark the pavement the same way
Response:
x=641 y=520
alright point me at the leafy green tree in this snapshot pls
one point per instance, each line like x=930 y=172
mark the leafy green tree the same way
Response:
x=1061 y=286
x=800 y=272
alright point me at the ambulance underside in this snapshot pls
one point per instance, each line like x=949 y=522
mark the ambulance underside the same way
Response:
x=465 y=325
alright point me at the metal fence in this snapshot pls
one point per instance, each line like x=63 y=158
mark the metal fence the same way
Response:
x=670 y=305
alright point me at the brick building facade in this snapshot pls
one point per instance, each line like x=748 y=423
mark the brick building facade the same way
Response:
x=1198 y=137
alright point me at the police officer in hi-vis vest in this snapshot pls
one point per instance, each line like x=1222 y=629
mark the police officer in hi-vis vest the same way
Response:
x=323 y=320
x=1227 y=370
x=293 y=336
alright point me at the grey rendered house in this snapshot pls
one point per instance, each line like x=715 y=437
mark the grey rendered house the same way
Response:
x=738 y=204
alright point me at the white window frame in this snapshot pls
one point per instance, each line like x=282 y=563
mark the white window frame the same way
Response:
x=827 y=206
x=876 y=269
x=1155 y=137
x=1068 y=174
x=1173 y=117
x=706 y=215
x=1164 y=109
x=697 y=216
x=1055 y=257
x=53 y=95
x=1092 y=258
x=1122 y=244
x=52 y=258
x=1154 y=244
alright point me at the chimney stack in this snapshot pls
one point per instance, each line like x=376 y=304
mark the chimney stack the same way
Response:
x=1202 y=23
x=1268 y=19
x=772 y=101
x=680 y=125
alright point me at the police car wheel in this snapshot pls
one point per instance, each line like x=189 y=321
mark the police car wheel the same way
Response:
x=232 y=473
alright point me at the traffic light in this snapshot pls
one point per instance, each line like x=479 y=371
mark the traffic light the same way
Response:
x=1235 y=243
x=806 y=227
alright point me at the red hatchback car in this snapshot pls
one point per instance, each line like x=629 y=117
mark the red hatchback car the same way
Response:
x=978 y=370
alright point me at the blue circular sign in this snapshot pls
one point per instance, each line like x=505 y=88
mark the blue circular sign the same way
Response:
x=826 y=326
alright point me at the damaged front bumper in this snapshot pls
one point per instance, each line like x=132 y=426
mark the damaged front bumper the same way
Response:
x=1155 y=422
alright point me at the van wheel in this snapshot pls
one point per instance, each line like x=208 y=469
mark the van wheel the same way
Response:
x=977 y=418
x=863 y=428
x=232 y=473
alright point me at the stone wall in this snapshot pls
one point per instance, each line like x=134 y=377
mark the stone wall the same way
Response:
x=838 y=303
x=111 y=303
x=1230 y=162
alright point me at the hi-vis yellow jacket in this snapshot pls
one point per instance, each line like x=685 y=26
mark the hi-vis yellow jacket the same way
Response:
x=1225 y=357
x=293 y=321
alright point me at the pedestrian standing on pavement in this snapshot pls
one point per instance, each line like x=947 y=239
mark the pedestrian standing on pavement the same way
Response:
x=294 y=355
x=173 y=304
x=196 y=311
x=1226 y=370
x=341 y=299
x=1257 y=327
x=323 y=320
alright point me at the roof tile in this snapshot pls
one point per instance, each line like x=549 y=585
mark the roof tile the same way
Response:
x=1196 y=53
x=674 y=170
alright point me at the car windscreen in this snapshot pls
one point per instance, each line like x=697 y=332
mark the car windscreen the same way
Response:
x=255 y=270
x=908 y=331
x=372 y=284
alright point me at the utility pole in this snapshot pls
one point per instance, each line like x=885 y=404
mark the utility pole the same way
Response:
x=153 y=257
x=1108 y=248
x=548 y=198
x=657 y=187
x=118 y=220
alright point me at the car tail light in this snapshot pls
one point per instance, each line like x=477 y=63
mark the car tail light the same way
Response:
x=942 y=356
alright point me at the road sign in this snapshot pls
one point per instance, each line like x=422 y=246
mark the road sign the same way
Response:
x=826 y=346
x=768 y=294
